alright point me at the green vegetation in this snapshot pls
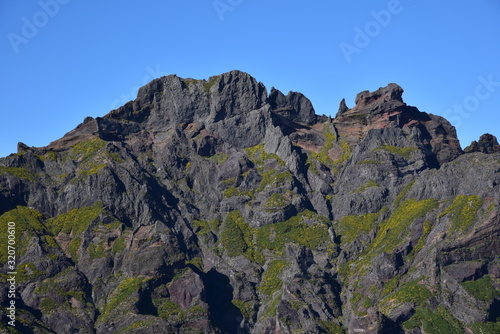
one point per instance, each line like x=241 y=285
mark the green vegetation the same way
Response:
x=210 y=83
x=92 y=157
x=405 y=152
x=246 y=308
x=27 y=221
x=73 y=248
x=48 y=305
x=274 y=179
x=49 y=242
x=121 y=294
x=197 y=262
x=276 y=201
x=486 y=328
x=118 y=245
x=438 y=321
x=20 y=173
x=331 y=327
x=358 y=301
x=330 y=138
x=369 y=184
x=237 y=238
x=350 y=227
x=138 y=324
x=392 y=231
x=275 y=236
x=219 y=158
x=167 y=308
x=27 y=271
x=96 y=252
x=482 y=289
x=426 y=229
x=87 y=149
x=323 y=156
x=462 y=212
x=491 y=208
x=272 y=307
x=410 y=292
x=231 y=192
x=201 y=227
x=258 y=156
x=403 y=193
x=75 y=221
x=270 y=280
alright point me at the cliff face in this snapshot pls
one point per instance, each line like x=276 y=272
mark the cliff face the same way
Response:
x=210 y=206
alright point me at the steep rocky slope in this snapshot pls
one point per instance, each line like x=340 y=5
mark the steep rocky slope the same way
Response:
x=211 y=206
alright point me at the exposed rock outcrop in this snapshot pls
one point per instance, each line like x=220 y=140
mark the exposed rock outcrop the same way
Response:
x=210 y=206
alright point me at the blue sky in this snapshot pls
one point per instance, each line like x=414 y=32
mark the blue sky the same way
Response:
x=63 y=60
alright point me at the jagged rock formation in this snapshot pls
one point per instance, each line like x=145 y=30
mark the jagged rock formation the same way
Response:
x=210 y=206
x=487 y=144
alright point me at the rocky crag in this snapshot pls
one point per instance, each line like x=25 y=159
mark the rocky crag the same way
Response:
x=213 y=206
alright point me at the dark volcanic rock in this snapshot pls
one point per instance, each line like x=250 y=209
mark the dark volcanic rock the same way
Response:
x=487 y=144
x=207 y=206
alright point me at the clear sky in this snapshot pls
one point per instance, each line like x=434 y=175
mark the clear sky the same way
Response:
x=63 y=60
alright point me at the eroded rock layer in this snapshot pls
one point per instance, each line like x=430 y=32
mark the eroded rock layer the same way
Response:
x=209 y=206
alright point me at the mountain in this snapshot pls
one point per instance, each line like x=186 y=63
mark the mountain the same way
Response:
x=213 y=206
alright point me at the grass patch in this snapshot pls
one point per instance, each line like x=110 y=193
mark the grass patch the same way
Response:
x=404 y=152
x=314 y=236
x=426 y=229
x=350 y=227
x=462 y=212
x=410 y=292
x=87 y=149
x=270 y=280
x=210 y=83
x=246 y=308
x=167 y=308
x=486 y=328
x=232 y=192
x=369 y=184
x=258 y=155
x=481 y=289
x=438 y=321
x=392 y=231
x=237 y=238
x=331 y=327
x=73 y=248
x=20 y=173
x=118 y=245
x=276 y=201
x=75 y=221
x=122 y=294
x=27 y=221
x=274 y=179
x=403 y=193
x=219 y=158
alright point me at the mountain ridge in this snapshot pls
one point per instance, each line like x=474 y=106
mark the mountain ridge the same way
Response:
x=215 y=206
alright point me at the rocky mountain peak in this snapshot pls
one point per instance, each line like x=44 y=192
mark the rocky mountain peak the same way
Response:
x=384 y=108
x=391 y=92
x=209 y=206
x=487 y=144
